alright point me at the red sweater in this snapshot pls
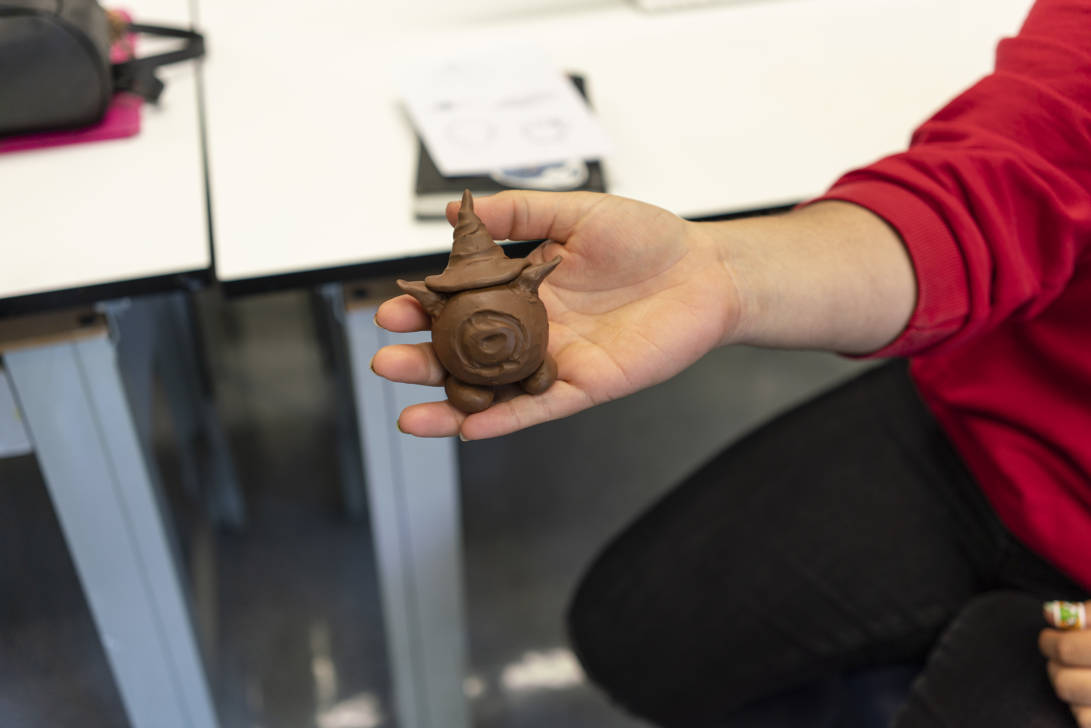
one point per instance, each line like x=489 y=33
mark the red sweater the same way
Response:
x=993 y=201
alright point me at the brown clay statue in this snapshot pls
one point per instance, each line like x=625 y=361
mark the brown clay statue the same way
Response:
x=489 y=327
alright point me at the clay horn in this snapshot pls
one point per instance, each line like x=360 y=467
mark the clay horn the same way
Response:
x=432 y=302
x=532 y=277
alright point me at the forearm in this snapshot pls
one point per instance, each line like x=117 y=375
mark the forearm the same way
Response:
x=828 y=276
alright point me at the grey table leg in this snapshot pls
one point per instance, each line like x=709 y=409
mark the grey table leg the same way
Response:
x=412 y=487
x=330 y=310
x=156 y=335
x=177 y=347
x=85 y=438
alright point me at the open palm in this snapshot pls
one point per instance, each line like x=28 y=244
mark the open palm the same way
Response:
x=638 y=297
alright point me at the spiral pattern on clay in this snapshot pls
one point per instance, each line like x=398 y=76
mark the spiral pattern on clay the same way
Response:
x=488 y=340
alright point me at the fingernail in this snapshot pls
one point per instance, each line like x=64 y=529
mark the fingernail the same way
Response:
x=371 y=364
x=1065 y=615
x=462 y=437
x=398 y=424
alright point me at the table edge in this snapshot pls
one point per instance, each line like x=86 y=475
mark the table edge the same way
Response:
x=90 y=294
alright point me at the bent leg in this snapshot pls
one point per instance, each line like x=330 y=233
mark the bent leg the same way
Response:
x=542 y=378
x=466 y=397
x=843 y=534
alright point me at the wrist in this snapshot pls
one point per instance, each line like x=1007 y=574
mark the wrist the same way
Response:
x=831 y=275
x=731 y=297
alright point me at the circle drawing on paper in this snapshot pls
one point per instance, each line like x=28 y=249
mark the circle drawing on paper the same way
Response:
x=548 y=130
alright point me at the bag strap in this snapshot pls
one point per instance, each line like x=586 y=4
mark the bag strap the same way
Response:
x=137 y=75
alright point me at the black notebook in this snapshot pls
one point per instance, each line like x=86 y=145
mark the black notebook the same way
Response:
x=433 y=190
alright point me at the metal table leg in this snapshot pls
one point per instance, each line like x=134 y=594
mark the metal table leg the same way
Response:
x=156 y=335
x=412 y=487
x=71 y=395
x=330 y=319
x=177 y=347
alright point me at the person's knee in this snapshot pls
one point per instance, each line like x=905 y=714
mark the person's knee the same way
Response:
x=633 y=628
x=620 y=638
x=597 y=629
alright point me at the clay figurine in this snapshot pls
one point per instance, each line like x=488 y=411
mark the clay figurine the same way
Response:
x=489 y=328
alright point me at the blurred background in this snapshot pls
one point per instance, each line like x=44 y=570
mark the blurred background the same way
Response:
x=287 y=609
x=217 y=240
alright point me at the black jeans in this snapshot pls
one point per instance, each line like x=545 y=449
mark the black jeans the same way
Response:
x=843 y=535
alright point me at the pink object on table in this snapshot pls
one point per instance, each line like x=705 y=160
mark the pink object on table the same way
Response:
x=122 y=118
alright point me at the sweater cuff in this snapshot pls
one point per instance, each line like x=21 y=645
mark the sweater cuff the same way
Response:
x=942 y=291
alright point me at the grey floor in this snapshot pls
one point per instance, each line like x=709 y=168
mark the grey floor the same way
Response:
x=287 y=607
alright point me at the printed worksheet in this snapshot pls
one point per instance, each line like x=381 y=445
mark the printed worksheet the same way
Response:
x=505 y=107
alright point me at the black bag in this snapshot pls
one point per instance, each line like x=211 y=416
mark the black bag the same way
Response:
x=55 y=69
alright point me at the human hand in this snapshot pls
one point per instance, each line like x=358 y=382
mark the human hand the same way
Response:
x=1069 y=653
x=640 y=294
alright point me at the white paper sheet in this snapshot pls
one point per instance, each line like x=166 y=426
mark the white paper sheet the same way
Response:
x=498 y=108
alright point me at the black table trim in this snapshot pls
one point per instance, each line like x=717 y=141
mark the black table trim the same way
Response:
x=84 y=295
x=401 y=266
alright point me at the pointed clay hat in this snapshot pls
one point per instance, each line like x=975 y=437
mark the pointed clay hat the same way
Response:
x=476 y=261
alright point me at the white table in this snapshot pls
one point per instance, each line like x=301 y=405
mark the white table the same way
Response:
x=733 y=107
x=88 y=222
x=97 y=224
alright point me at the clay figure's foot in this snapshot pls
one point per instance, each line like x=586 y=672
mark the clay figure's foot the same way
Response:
x=466 y=397
x=542 y=378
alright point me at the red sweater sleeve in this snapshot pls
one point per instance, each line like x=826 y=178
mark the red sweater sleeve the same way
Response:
x=993 y=197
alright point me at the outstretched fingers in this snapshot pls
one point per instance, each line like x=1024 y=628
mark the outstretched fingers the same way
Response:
x=402 y=314
x=525 y=410
x=409 y=363
x=440 y=419
x=431 y=419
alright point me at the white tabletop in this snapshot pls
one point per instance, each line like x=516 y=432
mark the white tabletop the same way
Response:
x=731 y=107
x=111 y=211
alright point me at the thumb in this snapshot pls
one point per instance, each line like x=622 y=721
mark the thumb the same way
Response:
x=1067 y=615
x=524 y=215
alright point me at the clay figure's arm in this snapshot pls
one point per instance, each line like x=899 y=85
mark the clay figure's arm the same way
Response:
x=430 y=301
